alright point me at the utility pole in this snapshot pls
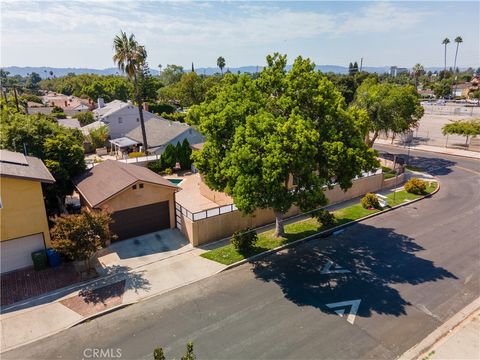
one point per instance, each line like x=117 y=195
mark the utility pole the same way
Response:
x=396 y=176
x=16 y=97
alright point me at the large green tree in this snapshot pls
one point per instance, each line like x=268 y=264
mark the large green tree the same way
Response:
x=61 y=150
x=261 y=134
x=221 y=63
x=390 y=108
x=130 y=58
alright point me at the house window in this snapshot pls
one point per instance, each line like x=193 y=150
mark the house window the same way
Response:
x=120 y=120
x=140 y=186
x=138 y=119
x=134 y=187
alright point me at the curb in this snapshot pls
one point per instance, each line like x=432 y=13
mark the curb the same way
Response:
x=105 y=312
x=441 y=333
x=321 y=234
x=412 y=148
x=326 y=233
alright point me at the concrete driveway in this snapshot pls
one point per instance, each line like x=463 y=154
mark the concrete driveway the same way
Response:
x=143 y=250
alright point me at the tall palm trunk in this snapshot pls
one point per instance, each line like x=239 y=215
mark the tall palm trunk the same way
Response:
x=445 y=67
x=454 y=68
x=140 y=112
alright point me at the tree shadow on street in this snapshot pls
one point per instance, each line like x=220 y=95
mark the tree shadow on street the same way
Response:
x=377 y=258
x=433 y=166
x=117 y=280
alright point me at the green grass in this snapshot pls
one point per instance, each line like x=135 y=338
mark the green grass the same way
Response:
x=413 y=168
x=388 y=175
x=298 y=230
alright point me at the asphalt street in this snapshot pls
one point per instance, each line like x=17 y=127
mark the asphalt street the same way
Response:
x=370 y=292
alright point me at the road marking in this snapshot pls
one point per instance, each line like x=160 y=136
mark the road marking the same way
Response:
x=354 y=305
x=466 y=169
x=337 y=269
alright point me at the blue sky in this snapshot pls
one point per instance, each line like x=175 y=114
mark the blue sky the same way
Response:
x=80 y=33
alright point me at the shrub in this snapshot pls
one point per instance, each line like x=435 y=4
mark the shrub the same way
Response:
x=324 y=217
x=244 y=240
x=388 y=175
x=155 y=166
x=85 y=118
x=415 y=186
x=370 y=201
x=167 y=171
x=136 y=154
x=386 y=169
x=169 y=157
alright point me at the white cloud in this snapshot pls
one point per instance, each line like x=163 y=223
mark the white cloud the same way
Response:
x=184 y=25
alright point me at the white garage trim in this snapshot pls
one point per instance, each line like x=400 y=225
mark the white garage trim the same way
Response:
x=17 y=253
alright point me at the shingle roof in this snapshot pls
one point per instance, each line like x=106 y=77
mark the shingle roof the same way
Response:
x=13 y=164
x=110 y=177
x=159 y=131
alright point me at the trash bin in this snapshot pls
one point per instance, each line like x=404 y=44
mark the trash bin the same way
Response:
x=39 y=260
x=54 y=258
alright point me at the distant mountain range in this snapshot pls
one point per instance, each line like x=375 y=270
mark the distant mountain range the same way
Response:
x=44 y=72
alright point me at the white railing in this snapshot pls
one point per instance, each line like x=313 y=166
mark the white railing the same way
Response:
x=220 y=210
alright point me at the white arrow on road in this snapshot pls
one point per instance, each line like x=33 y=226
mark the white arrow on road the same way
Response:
x=354 y=305
x=337 y=269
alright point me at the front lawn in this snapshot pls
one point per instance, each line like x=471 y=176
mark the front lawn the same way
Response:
x=298 y=230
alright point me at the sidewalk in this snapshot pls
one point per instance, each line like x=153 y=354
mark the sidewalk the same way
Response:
x=462 y=343
x=122 y=285
x=457 y=338
x=435 y=149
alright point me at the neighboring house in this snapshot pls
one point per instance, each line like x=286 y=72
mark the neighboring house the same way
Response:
x=23 y=218
x=139 y=200
x=161 y=132
x=69 y=123
x=120 y=117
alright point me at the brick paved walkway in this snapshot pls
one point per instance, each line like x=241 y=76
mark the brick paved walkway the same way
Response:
x=26 y=283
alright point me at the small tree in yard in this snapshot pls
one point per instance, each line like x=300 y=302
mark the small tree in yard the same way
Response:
x=98 y=137
x=169 y=157
x=79 y=237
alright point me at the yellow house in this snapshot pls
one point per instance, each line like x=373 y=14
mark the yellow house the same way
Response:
x=23 y=218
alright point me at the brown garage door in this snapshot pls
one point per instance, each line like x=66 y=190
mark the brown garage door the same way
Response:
x=141 y=220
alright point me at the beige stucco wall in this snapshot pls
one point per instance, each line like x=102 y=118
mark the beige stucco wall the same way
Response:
x=216 y=196
x=23 y=209
x=150 y=194
x=218 y=227
x=389 y=183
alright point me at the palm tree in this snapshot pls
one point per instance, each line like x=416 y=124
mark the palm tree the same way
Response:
x=458 y=40
x=130 y=58
x=445 y=42
x=221 y=63
x=417 y=72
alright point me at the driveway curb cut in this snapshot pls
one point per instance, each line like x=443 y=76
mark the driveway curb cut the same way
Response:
x=326 y=233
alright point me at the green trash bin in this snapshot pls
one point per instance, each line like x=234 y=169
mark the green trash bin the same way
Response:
x=40 y=261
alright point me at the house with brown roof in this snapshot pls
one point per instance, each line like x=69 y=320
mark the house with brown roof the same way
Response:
x=23 y=218
x=139 y=200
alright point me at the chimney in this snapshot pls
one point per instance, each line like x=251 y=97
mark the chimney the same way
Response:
x=100 y=103
x=145 y=106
